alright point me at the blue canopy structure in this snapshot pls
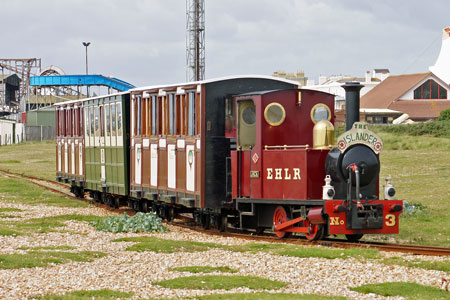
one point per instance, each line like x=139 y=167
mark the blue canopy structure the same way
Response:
x=78 y=80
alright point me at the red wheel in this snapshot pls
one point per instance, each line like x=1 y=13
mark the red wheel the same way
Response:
x=279 y=217
x=315 y=231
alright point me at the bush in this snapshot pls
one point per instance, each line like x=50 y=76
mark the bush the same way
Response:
x=445 y=115
x=140 y=222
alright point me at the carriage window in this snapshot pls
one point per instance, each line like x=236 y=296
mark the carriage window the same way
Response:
x=119 y=119
x=108 y=120
x=153 y=99
x=76 y=122
x=274 y=114
x=320 y=112
x=172 y=114
x=86 y=120
x=139 y=117
x=97 y=121
x=92 y=121
x=67 y=122
x=102 y=121
x=160 y=115
x=81 y=114
x=72 y=122
x=113 y=119
x=191 y=113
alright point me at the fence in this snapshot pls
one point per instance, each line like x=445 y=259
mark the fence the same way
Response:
x=39 y=133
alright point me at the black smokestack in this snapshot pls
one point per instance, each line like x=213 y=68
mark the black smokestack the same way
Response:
x=351 y=103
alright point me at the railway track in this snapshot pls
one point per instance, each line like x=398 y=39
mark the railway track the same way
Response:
x=186 y=222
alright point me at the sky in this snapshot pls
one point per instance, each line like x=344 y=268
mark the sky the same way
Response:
x=144 y=41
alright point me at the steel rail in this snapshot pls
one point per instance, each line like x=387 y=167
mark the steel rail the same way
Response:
x=63 y=189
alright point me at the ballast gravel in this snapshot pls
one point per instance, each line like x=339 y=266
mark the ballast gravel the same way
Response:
x=130 y=271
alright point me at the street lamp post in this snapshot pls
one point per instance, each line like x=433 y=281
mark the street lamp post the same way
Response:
x=86 y=44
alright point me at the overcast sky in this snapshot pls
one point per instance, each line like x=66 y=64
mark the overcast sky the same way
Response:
x=143 y=41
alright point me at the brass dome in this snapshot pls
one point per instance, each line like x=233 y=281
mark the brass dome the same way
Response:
x=323 y=135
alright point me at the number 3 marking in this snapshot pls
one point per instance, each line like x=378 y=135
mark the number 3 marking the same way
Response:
x=390 y=220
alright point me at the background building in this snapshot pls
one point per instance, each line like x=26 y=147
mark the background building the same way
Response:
x=421 y=96
x=297 y=76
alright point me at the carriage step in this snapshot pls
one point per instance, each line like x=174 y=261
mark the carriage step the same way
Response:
x=136 y=193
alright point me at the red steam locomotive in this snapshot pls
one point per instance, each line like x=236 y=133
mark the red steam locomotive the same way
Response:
x=254 y=152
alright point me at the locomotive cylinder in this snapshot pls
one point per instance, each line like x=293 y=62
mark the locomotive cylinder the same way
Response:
x=351 y=103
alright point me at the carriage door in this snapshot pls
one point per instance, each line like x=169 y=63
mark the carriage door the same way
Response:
x=138 y=145
x=246 y=133
x=102 y=144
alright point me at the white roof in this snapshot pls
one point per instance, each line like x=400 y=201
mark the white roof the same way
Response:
x=91 y=98
x=379 y=110
x=152 y=87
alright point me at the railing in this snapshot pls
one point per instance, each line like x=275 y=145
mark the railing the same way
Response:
x=284 y=147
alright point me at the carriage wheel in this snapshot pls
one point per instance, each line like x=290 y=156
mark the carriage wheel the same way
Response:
x=144 y=206
x=116 y=202
x=279 y=217
x=170 y=213
x=315 y=231
x=354 y=237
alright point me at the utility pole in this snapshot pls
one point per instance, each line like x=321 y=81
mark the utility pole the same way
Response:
x=86 y=45
x=195 y=40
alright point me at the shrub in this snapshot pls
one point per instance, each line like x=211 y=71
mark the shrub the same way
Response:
x=445 y=115
x=140 y=222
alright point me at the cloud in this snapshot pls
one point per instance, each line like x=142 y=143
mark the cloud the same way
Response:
x=143 y=41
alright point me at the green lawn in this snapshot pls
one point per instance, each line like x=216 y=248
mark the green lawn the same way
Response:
x=421 y=177
x=407 y=290
x=219 y=282
x=44 y=258
x=419 y=165
x=34 y=158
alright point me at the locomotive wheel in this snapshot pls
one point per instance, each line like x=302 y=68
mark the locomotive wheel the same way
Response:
x=205 y=221
x=354 y=237
x=223 y=223
x=315 y=231
x=279 y=217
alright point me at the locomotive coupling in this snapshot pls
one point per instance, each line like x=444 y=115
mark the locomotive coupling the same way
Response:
x=389 y=190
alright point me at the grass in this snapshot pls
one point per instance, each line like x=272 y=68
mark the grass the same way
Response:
x=44 y=258
x=417 y=263
x=41 y=225
x=87 y=295
x=32 y=158
x=299 y=251
x=220 y=282
x=165 y=246
x=267 y=296
x=48 y=248
x=203 y=269
x=405 y=289
x=9 y=209
x=25 y=192
x=147 y=243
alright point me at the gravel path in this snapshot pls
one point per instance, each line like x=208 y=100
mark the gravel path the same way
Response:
x=135 y=271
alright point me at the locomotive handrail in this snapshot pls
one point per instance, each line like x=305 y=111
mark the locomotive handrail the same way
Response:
x=286 y=146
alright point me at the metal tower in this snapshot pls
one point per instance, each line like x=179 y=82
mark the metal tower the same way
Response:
x=195 y=40
x=24 y=68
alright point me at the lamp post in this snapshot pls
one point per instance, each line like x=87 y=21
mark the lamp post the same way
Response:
x=86 y=44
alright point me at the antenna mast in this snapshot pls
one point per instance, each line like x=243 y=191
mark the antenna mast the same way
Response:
x=195 y=40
